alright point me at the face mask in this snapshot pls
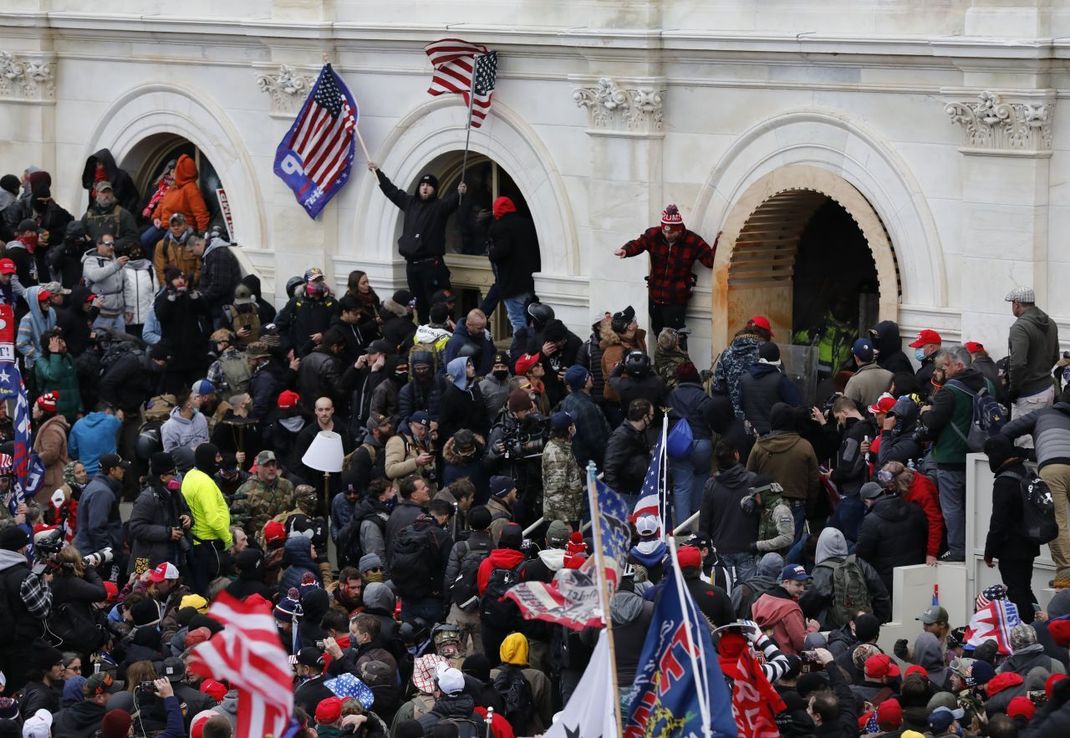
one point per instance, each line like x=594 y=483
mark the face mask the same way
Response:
x=370 y=577
x=174 y=485
x=389 y=504
x=919 y=353
x=501 y=375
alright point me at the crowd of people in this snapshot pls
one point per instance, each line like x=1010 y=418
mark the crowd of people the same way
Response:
x=172 y=409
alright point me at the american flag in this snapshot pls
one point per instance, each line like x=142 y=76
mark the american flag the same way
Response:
x=248 y=655
x=651 y=496
x=465 y=68
x=616 y=534
x=993 y=622
x=29 y=470
x=316 y=155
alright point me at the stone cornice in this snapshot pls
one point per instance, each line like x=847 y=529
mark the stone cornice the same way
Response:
x=998 y=123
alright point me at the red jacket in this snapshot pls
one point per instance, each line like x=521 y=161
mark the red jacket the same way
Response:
x=780 y=615
x=184 y=197
x=924 y=494
x=499 y=558
x=670 y=265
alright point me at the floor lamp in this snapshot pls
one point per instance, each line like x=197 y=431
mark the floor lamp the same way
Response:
x=325 y=455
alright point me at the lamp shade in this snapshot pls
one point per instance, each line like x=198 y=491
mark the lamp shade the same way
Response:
x=325 y=454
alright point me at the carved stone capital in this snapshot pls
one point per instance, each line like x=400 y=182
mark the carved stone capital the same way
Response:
x=991 y=124
x=288 y=88
x=27 y=76
x=612 y=108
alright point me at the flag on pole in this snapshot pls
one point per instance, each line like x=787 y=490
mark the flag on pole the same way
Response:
x=590 y=710
x=616 y=536
x=466 y=69
x=247 y=653
x=670 y=694
x=650 y=496
x=571 y=599
x=315 y=156
x=29 y=469
x=993 y=623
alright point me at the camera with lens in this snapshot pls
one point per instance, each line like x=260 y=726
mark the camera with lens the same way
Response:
x=99 y=558
x=146 y=688
x=921 y=434
x=810 y=662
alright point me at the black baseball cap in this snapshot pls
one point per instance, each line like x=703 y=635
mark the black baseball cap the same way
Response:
x=110 y=461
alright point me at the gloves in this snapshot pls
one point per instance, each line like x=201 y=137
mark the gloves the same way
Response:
x=900 y=649
x=751 y=631
x=753 y=547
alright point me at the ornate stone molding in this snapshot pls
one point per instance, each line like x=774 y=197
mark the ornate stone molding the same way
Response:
x=992 y=125
x=26 y=76
x=612 y=108
x=288 y=88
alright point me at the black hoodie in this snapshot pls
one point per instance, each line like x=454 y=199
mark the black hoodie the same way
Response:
x=889 y=347
x=122 y=184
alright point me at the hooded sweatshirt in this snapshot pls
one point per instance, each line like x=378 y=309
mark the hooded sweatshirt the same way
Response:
x=776 y=610
x=788 y=458
x=35 y=323
x=898 y=444
x=207 y=506
x=929 y=655
x=91 y=437
x=182 y=431
x=889 y=347
x=462 y=402
x=104 y=275
x=1034 y=350
x=744 y=594
x=184 y=197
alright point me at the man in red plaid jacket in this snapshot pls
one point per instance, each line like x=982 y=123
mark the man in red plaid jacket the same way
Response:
x=673 y=250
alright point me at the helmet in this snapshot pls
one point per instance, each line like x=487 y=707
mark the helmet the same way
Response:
x=222 y=335
x=148 y=442
x=413 y=632
x=468 y=350
x=637 y=363
x=445 y=632
x=540 y=313
x=292 y=283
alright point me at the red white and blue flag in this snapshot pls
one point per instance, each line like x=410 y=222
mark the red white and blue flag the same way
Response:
x=651 y=496
x=993 y=623
x=316 y=155
x=466 y=69
x=29 y=470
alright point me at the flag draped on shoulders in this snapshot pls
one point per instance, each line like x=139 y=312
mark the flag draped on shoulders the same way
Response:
x=993 y=622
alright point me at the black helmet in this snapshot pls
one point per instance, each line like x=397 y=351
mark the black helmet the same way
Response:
x=540 y=313
x=637 y=363
x=293 y=283
x=413 y=632
x=468 y=350
x=148 y=442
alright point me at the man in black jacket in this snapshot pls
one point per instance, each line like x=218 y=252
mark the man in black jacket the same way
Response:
x=423 y=234
x=514 y=254
x=721 y=518
x=712 y=601
x=321 y=372
x=160 y=518
x=893 y=533
x=628 y=451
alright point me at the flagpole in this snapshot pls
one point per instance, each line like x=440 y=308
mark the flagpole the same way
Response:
x=700 y=674
x=468 y=128
x=360 y=140
x=603 y=589
x=664 y=496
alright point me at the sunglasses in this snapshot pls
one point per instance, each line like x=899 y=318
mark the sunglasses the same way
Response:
x=374 y=570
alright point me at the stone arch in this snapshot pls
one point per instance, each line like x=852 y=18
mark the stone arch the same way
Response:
x=153 y=109
x=827 y=153
x=438 y=127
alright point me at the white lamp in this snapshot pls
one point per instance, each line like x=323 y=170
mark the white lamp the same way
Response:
x=325 y=454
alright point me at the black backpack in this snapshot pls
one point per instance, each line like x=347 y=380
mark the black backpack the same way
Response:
x=470 y=727
x=503 y=613
x=350 y=543
x=464 y=586
x=412 y=568
x=987 y=417
x=1038 y=509
x=516 y=694
x=70 y=628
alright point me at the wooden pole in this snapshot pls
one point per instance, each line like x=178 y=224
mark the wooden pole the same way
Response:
x=360 y=140
x=603 y=589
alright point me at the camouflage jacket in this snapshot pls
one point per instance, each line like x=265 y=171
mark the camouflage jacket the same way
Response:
x=733 y=361
x=562 y=482
x=255 y=503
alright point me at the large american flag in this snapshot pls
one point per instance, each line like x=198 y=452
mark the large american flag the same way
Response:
x=616 y=534
x=248 y=655
x=29 y=469
x=993 y=622
x=316 y=155
x=464 y=68
x=651 y=497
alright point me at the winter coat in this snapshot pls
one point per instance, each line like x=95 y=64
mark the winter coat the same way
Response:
x=462 y=404
x=25 y=263
x=851 y=470
x=175 y=252
x=80 y=720
x=514 y=253
x=455 y=466
x=1050 y=429
x=923 y=493
x=32 y=326
x=99 y=524
x=1034 y=350
x=304 y=316
x=483 y=358
x=403 y=515
x=401 y=453
x=320 y=375
x=423 y=231
x=220 y=274
x=690 y=402
x=139 y=290
x=298 y=561
x=898 y=444
x=627 y=459
x=563 y=489
x=889 y=347
x=867 y=384
x=713 y=601
x=184 y=197
x=179 y=431
x=787 y=458
x=56 y=372
x=104 y=276
x=122 y=183
x=416 y=395
x=1005 y=540
x=819 y=597
x=776 y=611
x=128 y=381
x=208 y=508
x=155 y=513
x=50 y=443
x=613 y=348
x=93 y=436
x=761 y=387
x=627 y=388
x=721 y=518
x=740 y=355
x=114 y=219
x=183 y=318
x=893 y=533
x=592 y=429
x=949 y=419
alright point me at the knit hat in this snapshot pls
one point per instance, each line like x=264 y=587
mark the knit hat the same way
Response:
x=687 y=372
x=403 y=298
x=329 y=711
x=512 y=537
x=1022 y=635
x=450 y=680
x=501 y=485
x=429 y=179
x=769 y=353
x=48 y=401
x=514 y=650
x=519 y=400
x=525 y=362
x=370 y=561
x=576 y=377
x=501 y=357
x=160 y=463
x=479 y=517
x=289 y=607
x=424 y=669
x=557 y=534
x=145 y=613
x=45 y=657
x=671 y=216
x=1021 y=706
x=1051 y=681
x=982 y=672
x=116 y=724
x=555 y=331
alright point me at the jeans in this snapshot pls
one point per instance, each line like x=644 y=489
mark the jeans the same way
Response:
x=150 y=237
x=514 y=307
x=490 y=302
x=743 y=564
x=115 y=323
x=1057 y=477
x=689 y=475
x=952 y=486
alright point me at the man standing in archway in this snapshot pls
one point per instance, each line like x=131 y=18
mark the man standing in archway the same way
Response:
x=673 y=251
x=423 y=235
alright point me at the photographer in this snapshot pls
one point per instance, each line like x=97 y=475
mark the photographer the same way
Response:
x=75 y=588
x=515 y=450
x=160 y=519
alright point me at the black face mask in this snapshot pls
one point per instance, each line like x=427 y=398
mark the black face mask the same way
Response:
x=501 y=374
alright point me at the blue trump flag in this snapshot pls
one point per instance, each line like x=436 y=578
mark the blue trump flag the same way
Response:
x=676 y=672
x=316 y=154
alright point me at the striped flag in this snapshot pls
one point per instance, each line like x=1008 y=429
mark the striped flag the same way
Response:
x=993 y=622
x=464 y=68
x=248 y=655
x=29 y=470
x=651 y=495
x=315 y=156
x=570 y=600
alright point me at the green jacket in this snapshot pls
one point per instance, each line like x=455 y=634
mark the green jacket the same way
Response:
x=56 y=373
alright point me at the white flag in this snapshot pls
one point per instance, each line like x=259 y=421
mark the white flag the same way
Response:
x=590 y=711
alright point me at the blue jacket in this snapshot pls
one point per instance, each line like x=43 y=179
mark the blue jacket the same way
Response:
x=93 y=436
x=483 y=359
x=99 y=524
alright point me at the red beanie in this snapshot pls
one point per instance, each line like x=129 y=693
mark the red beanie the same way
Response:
x=116 y=724
x=690 y=557
x=1000 y=682
x=1021 y=706
x=1060 y=632
x=1049 y=685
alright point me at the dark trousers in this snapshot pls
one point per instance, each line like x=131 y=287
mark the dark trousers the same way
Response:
x=1017 y=576
x=205 y=564
x=425 y=278
x=666 y=316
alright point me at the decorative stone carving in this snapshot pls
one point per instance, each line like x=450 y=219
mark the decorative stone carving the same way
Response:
x=993 y=124
x=288 y=88
x=25 y=76
x=614 y=108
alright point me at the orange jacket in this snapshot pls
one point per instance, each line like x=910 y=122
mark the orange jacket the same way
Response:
x=184 y=197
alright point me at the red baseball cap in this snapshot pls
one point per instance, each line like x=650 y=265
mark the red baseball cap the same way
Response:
x=689 y=557
x=7 y=266
x=760 y=321
x=164 y=571
x=925 y=337
x=274 y=531
x=883 y=404
x=525 y=361
x=329 y=710
x=288 y=399
x=216 y=690
x=973 y=346
x=112 y=590
x=44 y=295
x=890 y=712
x=881 y=665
